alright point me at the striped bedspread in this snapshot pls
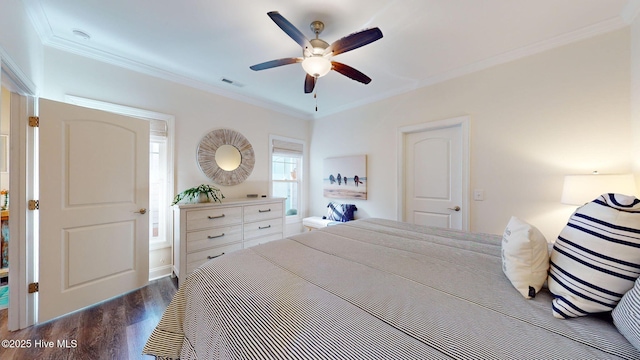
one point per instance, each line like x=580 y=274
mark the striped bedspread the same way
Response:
x=371 y=289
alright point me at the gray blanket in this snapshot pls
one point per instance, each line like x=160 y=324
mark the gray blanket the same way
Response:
x=371 y=289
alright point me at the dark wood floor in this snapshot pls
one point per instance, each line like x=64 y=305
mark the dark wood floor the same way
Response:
x=115 y=329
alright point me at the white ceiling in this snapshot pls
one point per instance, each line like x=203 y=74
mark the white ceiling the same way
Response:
x=201 y=42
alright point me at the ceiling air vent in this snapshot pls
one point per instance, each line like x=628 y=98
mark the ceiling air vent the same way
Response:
x=231 y=82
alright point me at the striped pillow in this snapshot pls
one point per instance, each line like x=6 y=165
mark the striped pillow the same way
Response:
x=626 y=316
x=596 y=258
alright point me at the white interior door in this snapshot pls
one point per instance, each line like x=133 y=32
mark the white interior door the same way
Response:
x=94 y=181
x=434 y=177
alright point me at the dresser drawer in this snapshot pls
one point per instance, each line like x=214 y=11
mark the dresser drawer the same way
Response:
x=206 y=218
x=263 y=228
x=203 y=231
x=208 y=238
x=262 y=212
x=196 y=259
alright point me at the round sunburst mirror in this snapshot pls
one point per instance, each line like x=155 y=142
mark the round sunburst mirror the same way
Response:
x=225 y=156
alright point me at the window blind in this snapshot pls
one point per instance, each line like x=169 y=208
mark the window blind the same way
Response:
x=158 y=128
x=281 y=147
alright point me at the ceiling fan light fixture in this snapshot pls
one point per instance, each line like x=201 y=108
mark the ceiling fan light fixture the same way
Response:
x=317 y=53
x=316 y=65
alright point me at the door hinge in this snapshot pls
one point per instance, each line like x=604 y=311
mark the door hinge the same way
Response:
x=34 y=287
x=34 y=121
x=34 y=204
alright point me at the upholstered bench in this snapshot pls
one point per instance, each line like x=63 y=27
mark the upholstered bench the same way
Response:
x=317 y=222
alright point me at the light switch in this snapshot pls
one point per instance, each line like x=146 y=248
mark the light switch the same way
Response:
x=478 y=195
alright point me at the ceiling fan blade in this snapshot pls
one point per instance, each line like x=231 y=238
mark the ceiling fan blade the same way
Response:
x=350 y=72
x=275 y=63
x=290 y=30
x=354 y=41
x=309 y=84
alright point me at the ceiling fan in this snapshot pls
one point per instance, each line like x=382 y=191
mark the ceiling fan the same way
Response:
x=317 y=53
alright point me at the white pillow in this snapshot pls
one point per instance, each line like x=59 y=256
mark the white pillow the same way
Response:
x=596 y=258
x=626 y=315
x=525 y=257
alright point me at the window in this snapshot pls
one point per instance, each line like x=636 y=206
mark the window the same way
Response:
x=286 y=173
x=158 y=190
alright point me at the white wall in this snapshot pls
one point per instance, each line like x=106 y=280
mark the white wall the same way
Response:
x=19 y=42
x=196 y=112
x=533 y=120
x=635 y=94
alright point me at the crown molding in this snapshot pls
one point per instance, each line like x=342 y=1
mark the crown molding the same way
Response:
x=39 y=19
x=630 y=11
x=536 y=48
x=120 y=61
x=539 y=47
x=47 y=38
x=41 y=24
x=12 y=74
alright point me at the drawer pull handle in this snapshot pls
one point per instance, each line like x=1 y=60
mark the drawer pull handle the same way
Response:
x=215 y=217
x=261 y=211
x=213 y=257
x=263 y=227
x=215 y=237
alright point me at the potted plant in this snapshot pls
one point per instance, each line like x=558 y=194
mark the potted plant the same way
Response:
x=201 y=193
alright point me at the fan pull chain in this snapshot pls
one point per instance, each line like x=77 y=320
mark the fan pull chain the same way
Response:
x=315 y=94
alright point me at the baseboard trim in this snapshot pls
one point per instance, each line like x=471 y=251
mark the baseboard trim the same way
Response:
x=159 y=272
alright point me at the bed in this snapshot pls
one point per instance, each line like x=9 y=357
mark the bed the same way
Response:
x=372 y=289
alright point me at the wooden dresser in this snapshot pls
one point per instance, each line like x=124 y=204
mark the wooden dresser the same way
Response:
x=205 y=231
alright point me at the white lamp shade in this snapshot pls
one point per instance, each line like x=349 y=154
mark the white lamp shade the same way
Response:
x=317 y=66
x=581 y=189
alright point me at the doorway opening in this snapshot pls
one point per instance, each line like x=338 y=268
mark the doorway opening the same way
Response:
x=20 y=105
x=5 y=103
x=161 y=179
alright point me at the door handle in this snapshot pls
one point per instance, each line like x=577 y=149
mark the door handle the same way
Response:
x=141 y=211
x=455 y=208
